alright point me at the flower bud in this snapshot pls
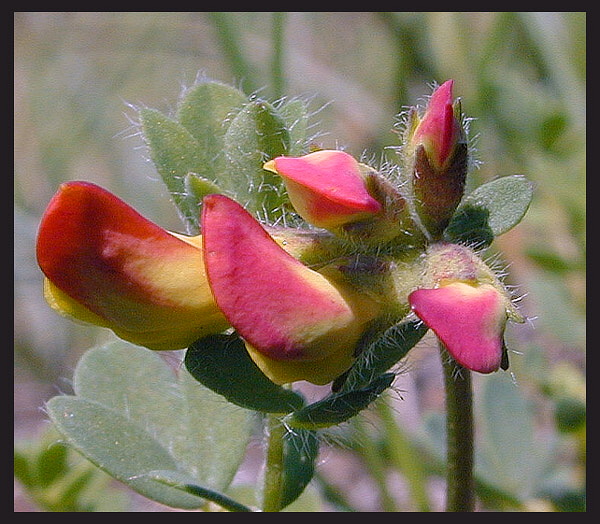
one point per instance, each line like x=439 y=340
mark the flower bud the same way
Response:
x=330 y=189
x=437 y=158
x=326 y=188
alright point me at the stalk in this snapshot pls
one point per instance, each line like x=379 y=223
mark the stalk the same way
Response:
x=460 y=494
x=274 y=468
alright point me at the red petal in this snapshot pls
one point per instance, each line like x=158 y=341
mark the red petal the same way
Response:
x=439 y=127
x=144 y=281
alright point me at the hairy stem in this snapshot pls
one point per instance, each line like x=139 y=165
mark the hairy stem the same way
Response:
x=274 y=468
x=460 y=495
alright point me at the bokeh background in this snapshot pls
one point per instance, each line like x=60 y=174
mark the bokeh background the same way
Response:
x=78 y=78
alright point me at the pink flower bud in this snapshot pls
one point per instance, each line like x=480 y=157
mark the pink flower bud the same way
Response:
x=439 y=130
x=437 y=158
x=327 y=188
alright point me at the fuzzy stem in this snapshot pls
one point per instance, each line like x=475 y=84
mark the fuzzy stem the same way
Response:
x=274 y=468
x=460 y=495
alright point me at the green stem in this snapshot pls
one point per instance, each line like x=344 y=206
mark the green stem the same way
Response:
x=277 y=68
x=274 y=467
x=460 y=495
x=227 y=34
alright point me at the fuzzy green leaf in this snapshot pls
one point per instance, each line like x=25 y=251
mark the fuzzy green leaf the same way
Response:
x=133 y=414
x=490 y=210
x=175 y=153
x=300 y=451
x=206 y=111
x=221 y=363
x=124 y=450
x=295 y=115
x=257 y=134
x=383 y=353
x=339 y=407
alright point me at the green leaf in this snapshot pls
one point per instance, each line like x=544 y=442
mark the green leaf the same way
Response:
x=509 y=457
x=221 y=363
x=124 y=450
x=257 y=134
x=490 y=210
x=186 y=484
x=193 y=144
x=132 y=414
x=384 y=352
x=51 y=464
x=197 y=187
x=175 y=153
x=295 y=116
x=58 y=479
x=339 y=407
x=300 y=451
x=206 y=111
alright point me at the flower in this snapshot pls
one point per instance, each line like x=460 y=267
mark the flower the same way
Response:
x=106 y=264
x=468 y=319
x=437 y=159
x=439 y=130
x=331 y=190
x=298 y=324
x=466 y=306
x=327 y=188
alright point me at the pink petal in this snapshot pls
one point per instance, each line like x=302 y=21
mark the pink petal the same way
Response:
x=326 y=188
x=282 y=308
x=469 y=320
x=438 y=129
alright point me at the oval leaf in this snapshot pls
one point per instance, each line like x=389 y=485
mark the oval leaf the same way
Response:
x=490 y=210
x=206 y=111
x=175 y=153
x=295 y=116
x=257 y=134
x=122 y=449
x=221 y=363
x=300 y=451
x=339 y=407
x=131 y=405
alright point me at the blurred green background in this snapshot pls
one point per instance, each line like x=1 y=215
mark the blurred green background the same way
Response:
x=521 y=76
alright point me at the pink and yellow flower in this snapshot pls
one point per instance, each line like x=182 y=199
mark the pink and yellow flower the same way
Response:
x=106 y=264
x=331 y=190
x=296 y=322
x=327 y=188
x=466 y=306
